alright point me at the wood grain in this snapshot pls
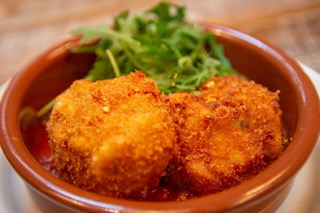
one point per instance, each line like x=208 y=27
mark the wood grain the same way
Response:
x=28 y=27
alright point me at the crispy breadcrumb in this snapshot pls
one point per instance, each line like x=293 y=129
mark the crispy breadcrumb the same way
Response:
x=123 y=138
x=114 y=137
x=228 y=133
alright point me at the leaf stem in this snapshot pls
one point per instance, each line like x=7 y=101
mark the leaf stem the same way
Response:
x=113 y=63
x=44 y=110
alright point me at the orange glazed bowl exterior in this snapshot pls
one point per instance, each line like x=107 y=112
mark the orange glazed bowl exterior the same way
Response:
x=53 y=71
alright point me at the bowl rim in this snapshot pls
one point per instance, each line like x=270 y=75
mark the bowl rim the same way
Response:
x=59 y=191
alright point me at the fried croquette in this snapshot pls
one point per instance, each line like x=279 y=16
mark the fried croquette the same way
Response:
x=228 y=133
x=259 y=108
x=113 y=137
x=125 y=139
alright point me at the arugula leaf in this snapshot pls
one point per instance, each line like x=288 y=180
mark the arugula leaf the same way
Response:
x=177 y=55
x=160 y=43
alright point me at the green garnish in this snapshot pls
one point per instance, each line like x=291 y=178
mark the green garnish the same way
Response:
x=177 y=55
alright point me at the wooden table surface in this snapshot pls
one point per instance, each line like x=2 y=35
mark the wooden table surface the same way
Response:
x=28 y=27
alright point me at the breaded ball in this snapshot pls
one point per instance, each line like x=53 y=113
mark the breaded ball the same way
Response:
x=113 y=137
x=258 y=107
x=228 y=133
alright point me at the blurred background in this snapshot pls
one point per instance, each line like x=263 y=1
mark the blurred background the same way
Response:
x=28 y=27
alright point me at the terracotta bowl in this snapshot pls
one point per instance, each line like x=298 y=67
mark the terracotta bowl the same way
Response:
x=54 y=70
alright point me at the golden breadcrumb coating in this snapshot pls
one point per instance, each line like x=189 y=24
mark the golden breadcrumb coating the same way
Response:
x=120 y=137
x=226 y=134
x=114 y=137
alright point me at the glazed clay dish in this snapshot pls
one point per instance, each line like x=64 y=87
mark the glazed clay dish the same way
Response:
x=53 y=71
